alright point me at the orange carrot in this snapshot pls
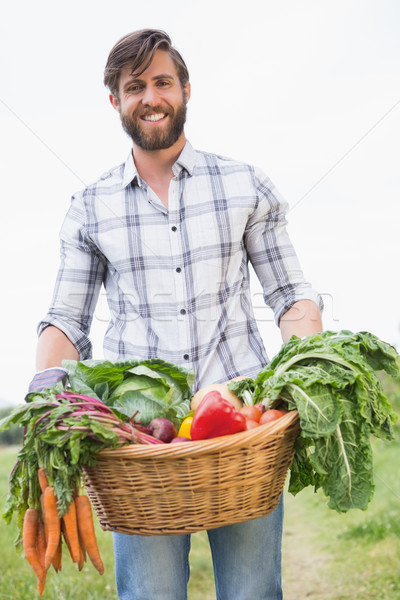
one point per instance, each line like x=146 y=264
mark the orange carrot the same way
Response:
x=41 y=584
x=66 y=537
x=53 y=524
x=46 y=535
x=82 y=558
x=41 y=550
x=57 y=558
x=87 y=532
x=29 y=540
x=82 y=553
x=43 y=481
x=70 y=527
x=41 y=542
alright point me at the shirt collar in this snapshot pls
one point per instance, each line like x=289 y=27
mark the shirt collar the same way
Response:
x=130 y=172
x=186 y=160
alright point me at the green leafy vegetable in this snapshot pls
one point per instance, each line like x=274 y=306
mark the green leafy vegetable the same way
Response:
x=243 y=389
x=331 y=379
x=151 y=388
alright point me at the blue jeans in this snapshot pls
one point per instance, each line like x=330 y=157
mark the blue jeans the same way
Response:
x=246 y=559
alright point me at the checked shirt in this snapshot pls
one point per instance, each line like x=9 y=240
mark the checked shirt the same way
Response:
x=177 y=279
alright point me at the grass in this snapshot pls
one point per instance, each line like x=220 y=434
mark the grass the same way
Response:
x=326 y=555
x=345 y=556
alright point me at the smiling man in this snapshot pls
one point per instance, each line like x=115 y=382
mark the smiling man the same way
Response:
x=170 y=234
x=153 y=106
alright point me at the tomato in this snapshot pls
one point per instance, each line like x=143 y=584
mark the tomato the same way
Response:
x=272 y=414
x=251 y=412
x=250 y=424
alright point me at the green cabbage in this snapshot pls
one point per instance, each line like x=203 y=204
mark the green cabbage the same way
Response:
x=151 y=388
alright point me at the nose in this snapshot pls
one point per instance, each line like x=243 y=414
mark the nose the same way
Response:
x=150 y=96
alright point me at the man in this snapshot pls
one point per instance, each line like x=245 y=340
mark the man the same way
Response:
x=170 y=233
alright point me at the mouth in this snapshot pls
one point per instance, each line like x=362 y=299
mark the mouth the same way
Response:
x=153 y=117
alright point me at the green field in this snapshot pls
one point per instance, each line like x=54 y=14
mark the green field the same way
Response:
x=327 y=556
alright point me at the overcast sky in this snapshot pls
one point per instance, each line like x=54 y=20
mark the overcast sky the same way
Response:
x=307 y=90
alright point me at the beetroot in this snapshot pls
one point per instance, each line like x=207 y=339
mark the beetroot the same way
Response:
x=180 y=438
x=162 y=429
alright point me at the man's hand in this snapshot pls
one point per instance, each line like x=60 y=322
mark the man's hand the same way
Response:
x=302 y=319
x=47 y=378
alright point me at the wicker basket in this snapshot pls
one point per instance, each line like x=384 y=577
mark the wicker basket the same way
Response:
x=183 y=488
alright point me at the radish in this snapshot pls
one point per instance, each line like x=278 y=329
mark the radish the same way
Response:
x=162 y=429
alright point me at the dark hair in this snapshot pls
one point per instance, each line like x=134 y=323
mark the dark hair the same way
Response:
x=137 y=49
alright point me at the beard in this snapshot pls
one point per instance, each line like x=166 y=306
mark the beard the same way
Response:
x=155 y=138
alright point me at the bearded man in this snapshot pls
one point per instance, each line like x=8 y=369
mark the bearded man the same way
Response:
x=170 y=234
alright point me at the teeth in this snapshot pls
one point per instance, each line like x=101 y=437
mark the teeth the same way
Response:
x=157 y=117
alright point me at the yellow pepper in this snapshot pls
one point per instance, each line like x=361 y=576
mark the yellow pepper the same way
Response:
x=184 y=429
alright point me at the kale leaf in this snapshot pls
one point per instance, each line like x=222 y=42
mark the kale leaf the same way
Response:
x=332 y=379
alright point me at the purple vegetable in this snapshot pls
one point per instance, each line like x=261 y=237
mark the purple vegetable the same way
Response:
x=163 y=429
x=138 y=437
x=180 y=438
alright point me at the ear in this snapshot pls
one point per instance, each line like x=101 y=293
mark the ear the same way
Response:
x=187 y=90
x=114 y=101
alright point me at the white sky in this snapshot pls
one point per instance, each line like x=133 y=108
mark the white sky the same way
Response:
x=309 y=91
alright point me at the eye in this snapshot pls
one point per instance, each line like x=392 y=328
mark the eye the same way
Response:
x=134 y=89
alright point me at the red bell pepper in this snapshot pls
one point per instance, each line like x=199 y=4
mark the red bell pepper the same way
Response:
x=216 y=416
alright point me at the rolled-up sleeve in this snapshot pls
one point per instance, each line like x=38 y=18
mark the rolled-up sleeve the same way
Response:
x=78 y=282
x=272 y=254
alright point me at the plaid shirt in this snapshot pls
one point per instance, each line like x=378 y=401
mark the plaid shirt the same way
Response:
x=177 y=279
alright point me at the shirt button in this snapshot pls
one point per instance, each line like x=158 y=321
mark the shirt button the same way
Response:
x=178 y=269
x=174 y=228
x=186 y=356
x=183 y=311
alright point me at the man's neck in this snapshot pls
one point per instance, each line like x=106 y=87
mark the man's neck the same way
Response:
x=156 y=165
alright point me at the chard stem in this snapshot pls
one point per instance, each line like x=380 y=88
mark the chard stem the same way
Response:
x=96 y=415
x=139 y=437
x=100 y=406
x=65 y=427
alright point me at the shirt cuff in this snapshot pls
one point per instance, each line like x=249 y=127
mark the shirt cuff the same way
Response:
x=300 y=293
x=75 y=335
